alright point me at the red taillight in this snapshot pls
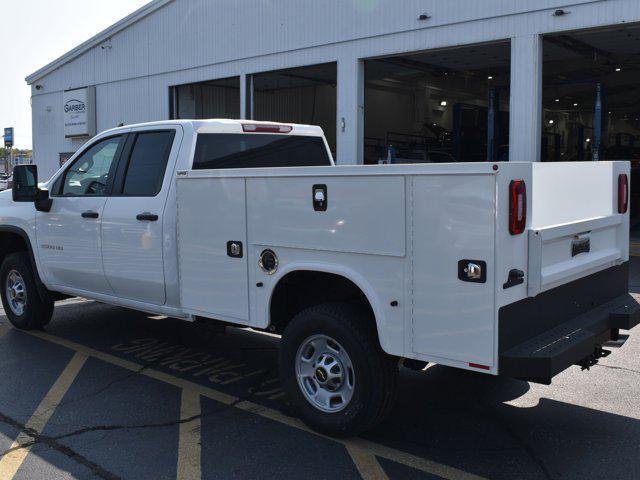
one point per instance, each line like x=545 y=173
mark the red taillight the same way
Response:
x=623 y=193
x=258 y=128
x=517 y=207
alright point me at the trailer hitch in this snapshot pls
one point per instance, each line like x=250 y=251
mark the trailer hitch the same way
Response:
x=598 y=353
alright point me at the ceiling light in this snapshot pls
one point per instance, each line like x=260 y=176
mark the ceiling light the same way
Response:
x=557 y=100
x=575 y=104
x=490 y=77
x=588 y=140
x=443 y=103
x=618 y=69
x=551 y=122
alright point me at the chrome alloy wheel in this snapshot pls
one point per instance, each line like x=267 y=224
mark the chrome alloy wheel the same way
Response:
x=325 y=373
x=16 y=292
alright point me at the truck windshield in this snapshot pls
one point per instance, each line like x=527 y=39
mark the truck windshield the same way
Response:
x=236 y=150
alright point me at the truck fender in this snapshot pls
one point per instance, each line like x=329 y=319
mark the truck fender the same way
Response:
x=42 y=289
x=340 y=270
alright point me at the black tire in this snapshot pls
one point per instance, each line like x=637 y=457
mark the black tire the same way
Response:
x=375 y=372
x=36 y=312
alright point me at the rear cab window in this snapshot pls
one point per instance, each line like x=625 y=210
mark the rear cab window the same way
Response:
x=259 y=150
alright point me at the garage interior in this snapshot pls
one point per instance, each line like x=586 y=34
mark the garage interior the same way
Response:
x=591 y=100
x=210 y=99
x=449 y=105
x=304 y=95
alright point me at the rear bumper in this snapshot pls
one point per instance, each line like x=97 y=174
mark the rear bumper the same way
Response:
x=551 y=352
x=565 y=326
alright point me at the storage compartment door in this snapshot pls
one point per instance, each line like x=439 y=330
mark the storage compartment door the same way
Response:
x=213 y=273
x=453 y=220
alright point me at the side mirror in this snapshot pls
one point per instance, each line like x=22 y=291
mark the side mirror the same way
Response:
x=25 y=183
x=25 y=188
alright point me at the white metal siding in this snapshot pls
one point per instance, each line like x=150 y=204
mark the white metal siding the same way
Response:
x=195 y=40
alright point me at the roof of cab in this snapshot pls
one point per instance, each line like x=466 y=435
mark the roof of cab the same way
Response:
x=224 y=125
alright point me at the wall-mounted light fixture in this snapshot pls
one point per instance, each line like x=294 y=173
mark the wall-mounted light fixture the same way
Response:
x=560 y=12
x=424 y=17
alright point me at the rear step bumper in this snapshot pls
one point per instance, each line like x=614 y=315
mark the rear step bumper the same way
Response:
x=569 y=343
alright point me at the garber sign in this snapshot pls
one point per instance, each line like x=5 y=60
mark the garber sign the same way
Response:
x=75 y=106
x=79 y=112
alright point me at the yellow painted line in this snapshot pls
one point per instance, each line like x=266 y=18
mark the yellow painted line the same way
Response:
x=366 y=463
x=378 y=450
x=189 y=449
x=10 y=462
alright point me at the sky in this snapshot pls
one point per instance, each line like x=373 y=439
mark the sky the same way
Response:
x=36 y=32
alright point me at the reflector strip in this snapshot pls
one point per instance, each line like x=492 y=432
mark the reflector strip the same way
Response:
x=481 y=367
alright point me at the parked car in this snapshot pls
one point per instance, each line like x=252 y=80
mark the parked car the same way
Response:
x=515 y=269
x=6 y=182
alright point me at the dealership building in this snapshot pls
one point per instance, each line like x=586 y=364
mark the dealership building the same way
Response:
x=456 y=80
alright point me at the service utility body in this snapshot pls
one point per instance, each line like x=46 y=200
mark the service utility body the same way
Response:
x=517 y=269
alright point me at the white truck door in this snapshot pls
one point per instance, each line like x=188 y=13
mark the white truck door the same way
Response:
x=132 y=223
x=69 y=235
x=453 y=224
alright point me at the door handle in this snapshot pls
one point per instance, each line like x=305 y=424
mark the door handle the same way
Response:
x=147 y=217
x=90 y=214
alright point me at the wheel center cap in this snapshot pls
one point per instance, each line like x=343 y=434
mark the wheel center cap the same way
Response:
x=321 y=375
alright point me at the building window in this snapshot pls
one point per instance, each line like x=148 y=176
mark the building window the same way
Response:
x=203 y=100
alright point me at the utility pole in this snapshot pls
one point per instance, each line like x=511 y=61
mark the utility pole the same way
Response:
x=8 y=144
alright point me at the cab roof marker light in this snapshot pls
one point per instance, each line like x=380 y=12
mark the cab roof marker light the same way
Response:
x=258 y=128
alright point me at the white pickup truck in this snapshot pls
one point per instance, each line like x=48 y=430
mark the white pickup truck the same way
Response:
x=516 y=269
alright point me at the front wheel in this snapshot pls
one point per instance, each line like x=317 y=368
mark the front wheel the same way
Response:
x=333 y=370
x=22 y=303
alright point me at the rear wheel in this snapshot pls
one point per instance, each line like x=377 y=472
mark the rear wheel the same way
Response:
x=20 y=297
x=333 y=370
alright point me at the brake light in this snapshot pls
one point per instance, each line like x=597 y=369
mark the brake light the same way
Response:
x=517 y=207
x=258 y=128
x=623 y=193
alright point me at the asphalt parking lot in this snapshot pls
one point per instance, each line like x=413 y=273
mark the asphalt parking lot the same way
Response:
x=108 y=393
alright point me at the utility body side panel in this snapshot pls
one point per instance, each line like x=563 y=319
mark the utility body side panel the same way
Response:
x=211 y=213
x=364 y=214
x=364 y=235
x=453 y=220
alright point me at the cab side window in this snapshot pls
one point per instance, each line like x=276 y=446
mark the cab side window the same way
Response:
x=147 y=163
x=91 y=173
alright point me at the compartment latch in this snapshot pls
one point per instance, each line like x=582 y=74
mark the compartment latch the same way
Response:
x=474 y=271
